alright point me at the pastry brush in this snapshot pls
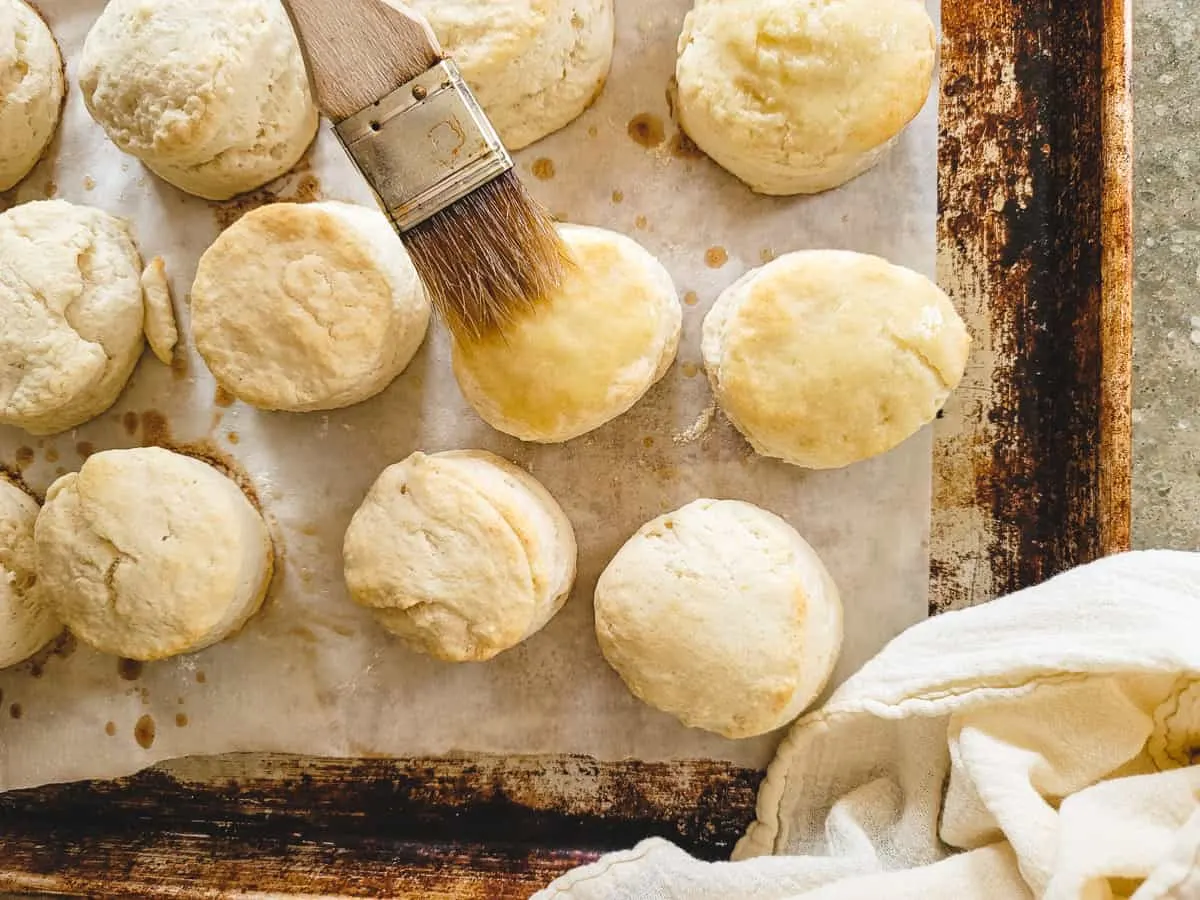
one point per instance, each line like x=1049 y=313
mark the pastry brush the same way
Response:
x=483 y=247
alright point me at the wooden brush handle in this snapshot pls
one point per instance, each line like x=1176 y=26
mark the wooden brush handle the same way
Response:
x=361 y=50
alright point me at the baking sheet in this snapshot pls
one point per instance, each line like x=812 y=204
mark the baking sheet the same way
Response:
x=312 y=673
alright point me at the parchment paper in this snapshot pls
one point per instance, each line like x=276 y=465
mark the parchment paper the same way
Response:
x=312 y=673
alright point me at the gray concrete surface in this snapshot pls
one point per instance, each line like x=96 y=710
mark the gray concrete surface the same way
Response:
x=1166 y=75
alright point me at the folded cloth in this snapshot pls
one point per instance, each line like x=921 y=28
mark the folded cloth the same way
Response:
x=1041 y=745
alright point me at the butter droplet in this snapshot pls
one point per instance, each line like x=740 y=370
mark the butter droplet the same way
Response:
x=143 y=732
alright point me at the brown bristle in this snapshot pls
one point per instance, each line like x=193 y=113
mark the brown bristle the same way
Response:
x=488 y=258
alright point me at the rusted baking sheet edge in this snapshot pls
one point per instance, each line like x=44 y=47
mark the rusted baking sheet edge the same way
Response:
x=1032 y=476
x=461 y=828
x=1034 y=456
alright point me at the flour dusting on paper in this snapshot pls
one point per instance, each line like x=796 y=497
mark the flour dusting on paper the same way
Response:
x=700 y=427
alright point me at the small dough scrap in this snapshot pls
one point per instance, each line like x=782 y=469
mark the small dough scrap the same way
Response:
x=211 y=95
x=71 y=304
x=27 y=622
x=304 y=307
x=800 y=96
x=161 y=331
x=823 y=358
x=147 y=553
x=721 y=615
x=533 y=65
x=32 y=87
x=460 y=554
x=586 y=355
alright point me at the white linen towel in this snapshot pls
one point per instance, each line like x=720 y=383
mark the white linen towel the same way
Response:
x=1041 y=745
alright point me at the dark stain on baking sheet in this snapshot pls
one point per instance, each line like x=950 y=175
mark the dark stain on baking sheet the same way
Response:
x=144 y=731
x=366 y=827
x=209 y=452
x=1032 y=172
x=223 y=398
x=130 y=669
x=543 y=168
x=156 y=430
x=646 y=129
x=298 y=186
x=13 y=476
x=60 y=648
x=683 y=147
x=715 y=257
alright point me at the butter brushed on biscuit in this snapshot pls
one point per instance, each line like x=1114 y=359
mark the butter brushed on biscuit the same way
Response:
x=584 y=357
x=800 y=96
x=823 y=358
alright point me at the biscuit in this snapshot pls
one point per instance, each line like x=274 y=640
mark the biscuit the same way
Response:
x=460 y=554
x=161 y=331
x=587 y=354
x=720 y=614
x=72 y=308
x=27 y=622
x=823 y=358
x=534 y=65
x=31 y=90
x=800 y=96
x=338 y=310
x=146 y=554
x=212 y=96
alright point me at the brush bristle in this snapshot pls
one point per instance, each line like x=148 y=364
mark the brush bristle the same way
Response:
x=489 y=258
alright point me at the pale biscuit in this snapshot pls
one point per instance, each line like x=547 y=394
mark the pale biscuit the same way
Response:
x=722 y=615
x=31 y=90
x=71 y=304
x=307 y=306
x=460 y=554
x=534 y=65
x=212 y=96
x=587 y=354
x=800 y=96
x=823 y=358
x=161 y=331
x=147 y=553
x=27 y=622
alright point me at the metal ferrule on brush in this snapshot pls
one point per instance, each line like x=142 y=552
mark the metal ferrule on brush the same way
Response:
x=424 y=146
